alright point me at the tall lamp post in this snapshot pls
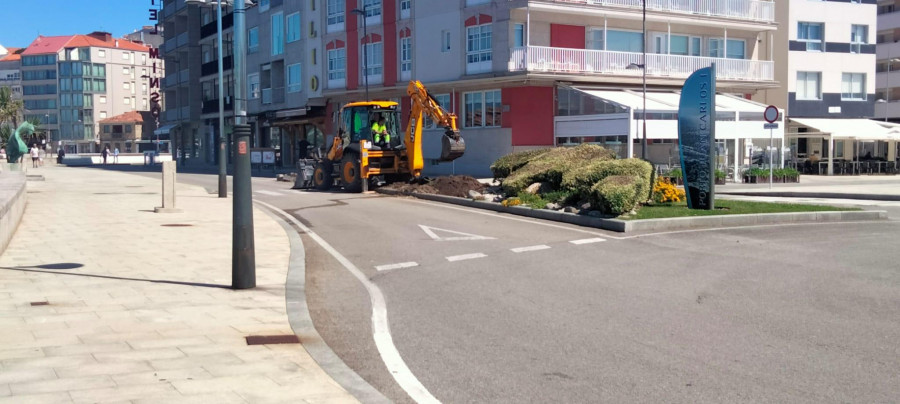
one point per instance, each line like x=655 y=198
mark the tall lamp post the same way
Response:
x=223 y=169
x=365 y=50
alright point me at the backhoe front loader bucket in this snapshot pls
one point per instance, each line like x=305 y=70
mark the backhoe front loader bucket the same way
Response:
x=452 y=148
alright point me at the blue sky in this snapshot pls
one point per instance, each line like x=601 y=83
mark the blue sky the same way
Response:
x=24 y=20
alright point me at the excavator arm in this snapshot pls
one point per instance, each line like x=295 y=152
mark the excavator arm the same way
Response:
x=452 y=144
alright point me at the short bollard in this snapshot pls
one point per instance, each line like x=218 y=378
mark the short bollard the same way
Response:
x=168 y=189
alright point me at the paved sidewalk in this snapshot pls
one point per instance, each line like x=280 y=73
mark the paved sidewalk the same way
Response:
x=138 y=311
x=874 y=187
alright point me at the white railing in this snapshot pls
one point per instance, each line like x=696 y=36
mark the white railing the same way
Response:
x=586 y=61
x=754 y=10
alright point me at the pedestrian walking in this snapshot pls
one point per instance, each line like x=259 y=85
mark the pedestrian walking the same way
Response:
x=116 y=156
x=60 y=154
x=105 y=154
x=34 y=156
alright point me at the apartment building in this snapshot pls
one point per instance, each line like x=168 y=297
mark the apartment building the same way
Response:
x=10 y=71
x=826 y=57
x=71 y=82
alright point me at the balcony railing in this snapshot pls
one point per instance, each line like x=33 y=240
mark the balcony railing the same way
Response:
x=586 y=61
x=273 y=95
x=171 y=115
x=182 y=39
x=212 y=105
x=213 y=27
x=754 y=10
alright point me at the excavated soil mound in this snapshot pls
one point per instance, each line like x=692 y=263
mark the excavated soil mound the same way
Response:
x=454 y=185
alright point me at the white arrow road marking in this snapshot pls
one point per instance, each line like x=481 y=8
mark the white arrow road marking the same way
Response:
x=587 y=241
x=531 y=248
x=465 y=257
x=460 y=235
x=381 y=330
x=270 y=193
x=396 y=266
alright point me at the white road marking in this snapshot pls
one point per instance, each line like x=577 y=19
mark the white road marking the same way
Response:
x=381 y=331
x=270 y=193
x=463 y=236
x=508 y=217
x=531 y=248
x=453 y=258
x=587 y=241
x=396 y=266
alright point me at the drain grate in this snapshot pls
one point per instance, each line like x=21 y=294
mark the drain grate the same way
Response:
x=272 y=339
x=176 y=225
x=40 y=303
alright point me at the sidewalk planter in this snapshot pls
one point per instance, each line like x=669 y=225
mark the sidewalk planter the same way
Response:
x=720 y=177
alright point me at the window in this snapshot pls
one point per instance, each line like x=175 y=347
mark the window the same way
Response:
x=126 y=70
x=444 y=100
x=294 y=82
x=478 y=44
x=405 y=54
x=859 y=35
x=101 y=53
x=445 y=41
x=374 y=57
x=735 y=50
x=127 y=128
x=853 y=86
x=127 y=100
x=405 y=7
x=373 y=8
x=682 y=45
x=335 y=12
x=126 y=85
x=277 y=34
x=263 y=5
x=809 y=85
x=337 y=64
x=482 y=109
x=253 y=40
x=103 y=99
x=624 y=41
x=144 y=103
x=126 y=56
x=253 y=85
x=102 y=114
x=811 y=34
x=293 y=27
x=519 y=35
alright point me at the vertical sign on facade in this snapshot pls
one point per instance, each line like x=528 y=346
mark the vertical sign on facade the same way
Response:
x=697 y=136
x=153 y=77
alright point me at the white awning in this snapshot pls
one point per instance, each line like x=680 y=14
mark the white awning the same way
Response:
x=164 y=130
x=667 y=101
x=859 y=129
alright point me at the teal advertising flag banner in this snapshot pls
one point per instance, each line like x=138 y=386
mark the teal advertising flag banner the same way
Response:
x=697 y=137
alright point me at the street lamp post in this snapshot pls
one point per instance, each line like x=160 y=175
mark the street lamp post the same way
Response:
x=644 y=79
x=365 y=51
x=243 y=251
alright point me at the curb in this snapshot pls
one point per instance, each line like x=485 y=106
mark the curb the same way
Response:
x=821 y=195
x=676 y=223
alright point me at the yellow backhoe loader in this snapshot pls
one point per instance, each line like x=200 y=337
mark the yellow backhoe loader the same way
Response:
x=367 y=144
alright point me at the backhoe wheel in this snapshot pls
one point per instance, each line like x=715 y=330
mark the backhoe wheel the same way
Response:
x=322 y=176
x=350 y=172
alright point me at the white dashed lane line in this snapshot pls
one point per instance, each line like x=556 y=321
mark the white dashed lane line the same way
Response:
x=587 y=241
x=396 y=266
x=270 y=193
x=454 y=258
x=530 y=248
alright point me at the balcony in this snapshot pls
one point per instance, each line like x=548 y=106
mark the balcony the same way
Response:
x=753 y=10
x=212 y=67
x=889 y=20
x=182 y=39
x=212 y=106
x=170 y=115
x=585 y=61
x=273 y=95
x=212 y=28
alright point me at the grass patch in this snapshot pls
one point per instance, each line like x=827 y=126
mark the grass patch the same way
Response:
x=727 y=207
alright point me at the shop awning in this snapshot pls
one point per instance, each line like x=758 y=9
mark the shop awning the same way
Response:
x=164 y=130
x=858 y=129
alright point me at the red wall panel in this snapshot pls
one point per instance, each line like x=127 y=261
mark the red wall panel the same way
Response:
x=352 y=68
x=389 y=18
x=567 y=36
x=530 y=115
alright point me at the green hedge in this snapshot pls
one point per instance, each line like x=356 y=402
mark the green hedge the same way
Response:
x=513 y=161
x=616 y=194
x=550 y=166
x=581 y=179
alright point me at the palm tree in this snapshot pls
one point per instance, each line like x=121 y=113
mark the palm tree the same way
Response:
x=9 y=113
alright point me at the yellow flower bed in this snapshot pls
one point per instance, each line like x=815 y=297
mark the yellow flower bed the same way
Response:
x=666 y=192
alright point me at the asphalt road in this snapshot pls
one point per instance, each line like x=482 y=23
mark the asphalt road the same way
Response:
x=507 y=309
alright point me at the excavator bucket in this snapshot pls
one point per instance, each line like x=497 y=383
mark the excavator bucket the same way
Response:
x=452 y=146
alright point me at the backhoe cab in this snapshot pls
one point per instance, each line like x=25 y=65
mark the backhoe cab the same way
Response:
x=355 y=155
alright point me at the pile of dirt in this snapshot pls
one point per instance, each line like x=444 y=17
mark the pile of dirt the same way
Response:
x=454 y=185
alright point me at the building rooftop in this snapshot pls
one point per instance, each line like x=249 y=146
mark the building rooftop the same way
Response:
x=128 y=117
x=13 y=55
x=43 y=45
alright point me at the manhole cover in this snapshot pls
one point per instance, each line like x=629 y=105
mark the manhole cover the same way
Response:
x=272 y=339
x=176 y=225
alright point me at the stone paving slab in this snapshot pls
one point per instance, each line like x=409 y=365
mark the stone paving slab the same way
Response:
x=141 y=312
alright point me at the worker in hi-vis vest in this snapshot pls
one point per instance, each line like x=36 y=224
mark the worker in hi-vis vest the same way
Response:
x=379 y=130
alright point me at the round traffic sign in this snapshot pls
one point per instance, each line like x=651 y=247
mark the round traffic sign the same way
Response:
x=771 y=114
